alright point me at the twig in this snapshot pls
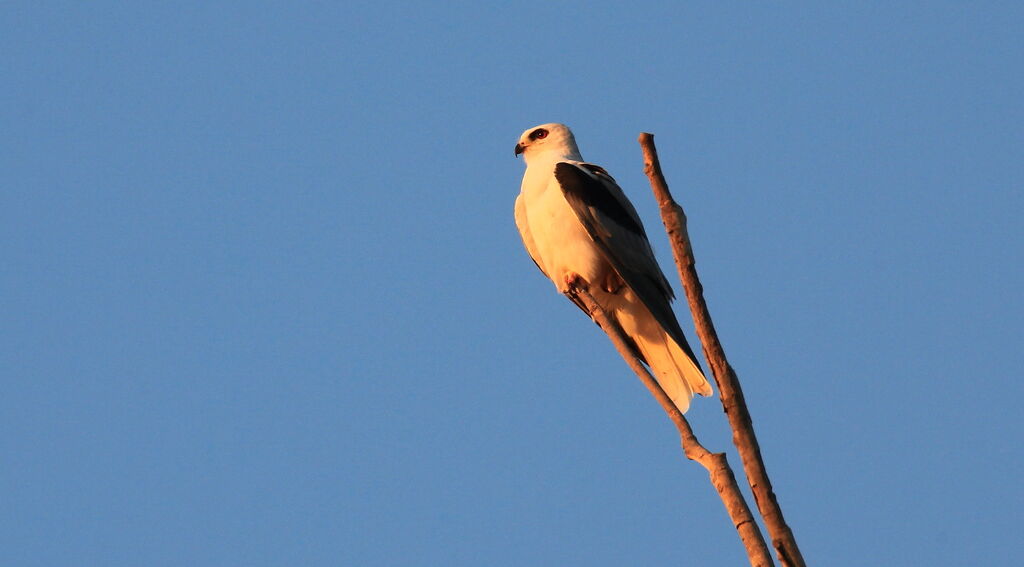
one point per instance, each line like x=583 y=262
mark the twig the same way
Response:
x=721 y=474
x=728 y=384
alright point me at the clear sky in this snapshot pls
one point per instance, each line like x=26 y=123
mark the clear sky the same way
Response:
x=262 y=300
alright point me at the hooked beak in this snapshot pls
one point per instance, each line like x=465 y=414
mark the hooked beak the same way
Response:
x=520 y=149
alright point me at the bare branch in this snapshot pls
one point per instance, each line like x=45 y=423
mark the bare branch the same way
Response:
x=728 y=384
x=721 y=475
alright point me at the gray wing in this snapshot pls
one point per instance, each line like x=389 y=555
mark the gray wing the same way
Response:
x=612 y=222
x=524 y=232
x=531 y=248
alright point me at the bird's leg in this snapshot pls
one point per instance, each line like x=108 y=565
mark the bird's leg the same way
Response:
x=612 y=282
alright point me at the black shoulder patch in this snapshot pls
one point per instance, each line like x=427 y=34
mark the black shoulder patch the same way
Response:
x=597 y=169
x=590 y=192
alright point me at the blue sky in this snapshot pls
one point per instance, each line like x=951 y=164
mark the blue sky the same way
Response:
x=263 y=301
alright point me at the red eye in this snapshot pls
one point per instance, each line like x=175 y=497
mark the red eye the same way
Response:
x=538 y=134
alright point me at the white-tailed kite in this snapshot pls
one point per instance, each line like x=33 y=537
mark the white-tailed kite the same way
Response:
x=577 y=224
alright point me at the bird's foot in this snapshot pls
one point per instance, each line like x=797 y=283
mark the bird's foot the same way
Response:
x=573 y=281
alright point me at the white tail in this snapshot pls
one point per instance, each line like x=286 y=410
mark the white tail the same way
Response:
x=678 y=375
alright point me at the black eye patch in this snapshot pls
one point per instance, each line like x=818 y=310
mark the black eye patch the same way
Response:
x=538 y=134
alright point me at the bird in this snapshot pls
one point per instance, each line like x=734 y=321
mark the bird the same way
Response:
x=582 y=231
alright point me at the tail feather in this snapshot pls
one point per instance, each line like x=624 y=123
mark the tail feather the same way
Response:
x=664 y=368
x=688 y=369
x=676 y=372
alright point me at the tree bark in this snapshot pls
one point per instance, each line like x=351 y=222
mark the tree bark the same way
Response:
x=725 y=377
x=721 y=475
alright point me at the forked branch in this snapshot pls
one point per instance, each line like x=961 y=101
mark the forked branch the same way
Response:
x=728 y=384
x=721 y=475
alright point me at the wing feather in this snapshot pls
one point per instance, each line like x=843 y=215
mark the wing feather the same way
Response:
x=524 y=231
x=613 y=224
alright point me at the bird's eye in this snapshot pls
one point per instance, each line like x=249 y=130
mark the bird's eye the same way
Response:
x=538 y=134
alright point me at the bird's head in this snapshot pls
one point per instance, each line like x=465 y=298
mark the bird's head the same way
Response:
x=554 y=139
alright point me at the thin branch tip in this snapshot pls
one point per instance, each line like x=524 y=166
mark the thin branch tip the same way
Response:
x=730 y=392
